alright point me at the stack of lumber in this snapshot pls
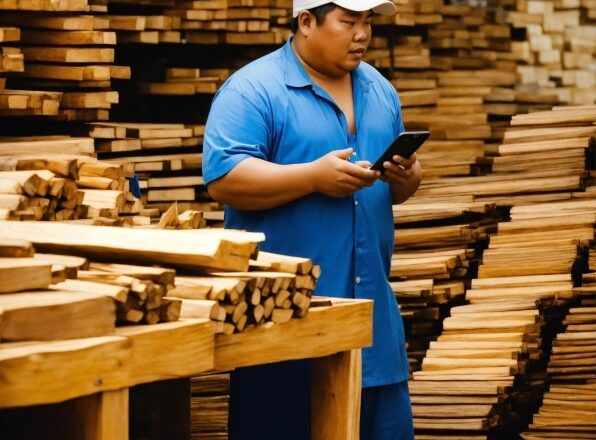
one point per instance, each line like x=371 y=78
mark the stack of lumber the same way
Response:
x=541 y=238
x=20 y=102
x=218 y=284
x=60 y=187
x=437 y=246
x=209 y=401
x=452 y=158
x=558 y=47
x=567 y=413
x=111 y=137
x=32 y=308
x=143 y=27
x=473 y=89
x=525 y=284
x=542 y=158
x=567 y=410
x=277 y=288
x=187 y=81
x=146 y=289
x=414 y=13
x=503 y=335
x=403 y=52
x=75 y=61
x=165 y=159
x=459 y=406
x=463 y=95
x=572 y=393
x=137 y=292
x=11 y=60
x=244 y=22
x=464 y=49
x=484 y=343
x=467 y=79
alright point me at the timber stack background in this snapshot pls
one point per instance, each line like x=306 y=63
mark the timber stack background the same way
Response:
x=103 y=107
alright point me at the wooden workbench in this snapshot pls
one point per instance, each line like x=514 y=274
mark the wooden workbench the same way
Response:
x=88 y=380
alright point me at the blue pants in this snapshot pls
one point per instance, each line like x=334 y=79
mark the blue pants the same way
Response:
x=386 y=413
x=272 y=402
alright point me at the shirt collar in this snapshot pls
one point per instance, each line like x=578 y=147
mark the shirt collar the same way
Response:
x=295 y=76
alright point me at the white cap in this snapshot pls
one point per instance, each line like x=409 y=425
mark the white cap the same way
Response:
x=383 y=7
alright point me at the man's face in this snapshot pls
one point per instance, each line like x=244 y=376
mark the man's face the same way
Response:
x=340 y=41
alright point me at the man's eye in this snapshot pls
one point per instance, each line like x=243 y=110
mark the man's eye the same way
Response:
x=349 y=22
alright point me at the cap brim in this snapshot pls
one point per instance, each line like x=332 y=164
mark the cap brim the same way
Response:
x=383 y=7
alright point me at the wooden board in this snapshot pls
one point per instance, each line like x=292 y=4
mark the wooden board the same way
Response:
x=146 y=245
x=48 y=315
x=23 y=274
x=35 y=373
x=169 y=350
x=326 y=330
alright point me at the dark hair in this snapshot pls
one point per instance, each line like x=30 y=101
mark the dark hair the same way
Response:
x=320 y=12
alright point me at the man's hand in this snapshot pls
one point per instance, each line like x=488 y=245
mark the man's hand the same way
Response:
x=399 y=171
x=334 y=175
x=403 y=175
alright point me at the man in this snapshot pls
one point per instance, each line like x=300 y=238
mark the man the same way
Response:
x=288 y=145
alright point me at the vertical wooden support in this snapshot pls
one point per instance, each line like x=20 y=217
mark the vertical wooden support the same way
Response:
x=104 y=415
x=336 y=393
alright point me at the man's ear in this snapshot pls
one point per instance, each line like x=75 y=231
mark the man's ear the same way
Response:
x=305 y=22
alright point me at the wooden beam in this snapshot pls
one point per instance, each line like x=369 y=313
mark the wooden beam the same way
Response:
x=104 y=415
x=336 y=393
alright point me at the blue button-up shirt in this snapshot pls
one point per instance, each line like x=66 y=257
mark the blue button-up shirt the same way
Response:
x=271 y=110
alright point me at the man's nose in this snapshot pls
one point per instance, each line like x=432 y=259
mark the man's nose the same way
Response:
x=361 y=34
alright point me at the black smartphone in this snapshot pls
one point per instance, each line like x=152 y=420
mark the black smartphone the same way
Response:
x=404 y=145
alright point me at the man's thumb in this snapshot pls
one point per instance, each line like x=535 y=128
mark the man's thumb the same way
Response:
x=343 y=154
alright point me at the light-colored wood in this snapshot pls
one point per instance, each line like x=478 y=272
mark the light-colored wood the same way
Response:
x=66 y=145
x=158 y=275
x=18 y=274
x=325 y=330
x=154 y=358
x=11 y=248
x=47 y=315
x=336 y=391
x=35 y=373
x=202 y=308
x=117 y=293
x=147 y=245
x=104 y=415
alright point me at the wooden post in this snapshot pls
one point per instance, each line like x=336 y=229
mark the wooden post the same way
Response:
x=336 y=392
x=104 y=415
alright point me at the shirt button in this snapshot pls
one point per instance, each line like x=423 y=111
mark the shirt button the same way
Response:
x=356 y=202
x=357 y=280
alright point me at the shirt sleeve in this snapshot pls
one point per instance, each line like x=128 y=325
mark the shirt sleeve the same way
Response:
x=399 y=123
x=236 y=129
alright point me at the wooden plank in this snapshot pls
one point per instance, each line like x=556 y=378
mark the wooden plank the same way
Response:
x=68 y=38
x=152 y=357
x=55 y=314
x=23 y=274
x=66 y=145
x=104 y=415
x=11 y=248
x=143 y=245
x=344 y=326
x=36 y=373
